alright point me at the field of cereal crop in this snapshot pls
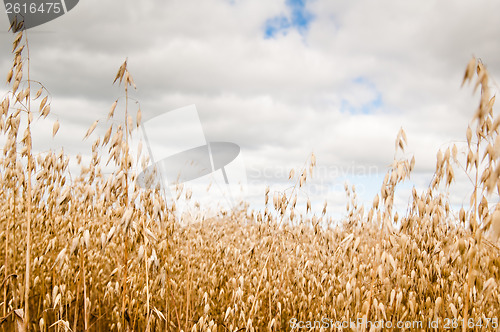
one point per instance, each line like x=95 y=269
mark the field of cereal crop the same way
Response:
x=99 y=253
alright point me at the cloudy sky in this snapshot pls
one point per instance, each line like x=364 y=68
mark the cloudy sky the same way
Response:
x=280 y=78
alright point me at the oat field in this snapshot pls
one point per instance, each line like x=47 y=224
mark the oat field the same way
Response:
x=97 y=253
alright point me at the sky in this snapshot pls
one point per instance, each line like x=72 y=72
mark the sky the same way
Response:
x=281 y=79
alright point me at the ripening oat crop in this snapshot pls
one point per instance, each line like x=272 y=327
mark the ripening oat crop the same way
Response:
x=91 y=252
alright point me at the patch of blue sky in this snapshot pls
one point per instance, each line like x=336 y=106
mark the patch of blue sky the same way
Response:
x=275 y=25
x=298 y=18
x=367 y=107
x=368 y=186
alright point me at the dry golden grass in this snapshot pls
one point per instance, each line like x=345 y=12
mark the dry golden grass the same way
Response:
x=97 y=253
